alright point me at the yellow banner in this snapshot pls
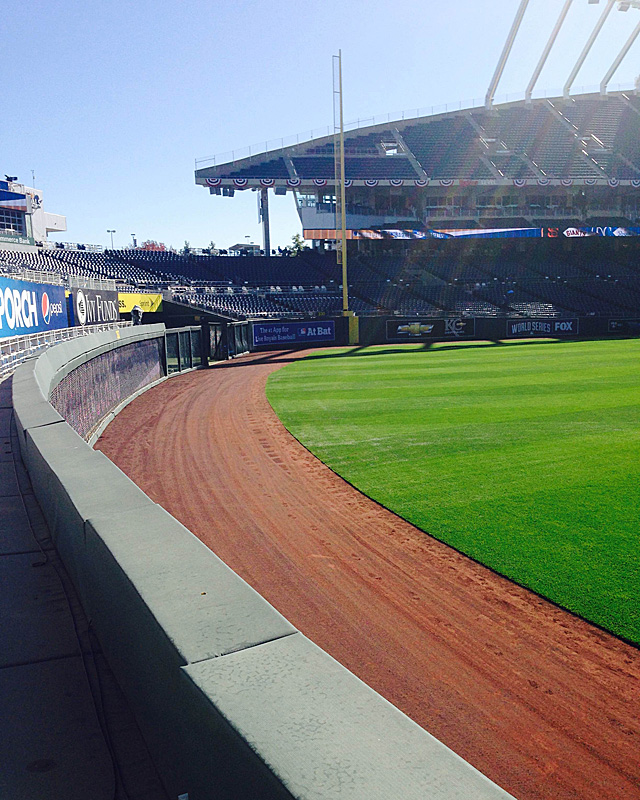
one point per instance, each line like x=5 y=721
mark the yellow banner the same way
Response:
x=147 y=302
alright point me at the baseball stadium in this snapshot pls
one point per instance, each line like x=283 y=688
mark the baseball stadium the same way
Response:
x=355 y=519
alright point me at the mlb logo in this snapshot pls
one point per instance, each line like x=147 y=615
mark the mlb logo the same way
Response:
x=303 y=331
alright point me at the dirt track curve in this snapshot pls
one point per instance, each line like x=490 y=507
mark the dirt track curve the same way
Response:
x=543 y=703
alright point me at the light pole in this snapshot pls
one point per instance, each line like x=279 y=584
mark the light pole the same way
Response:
x=133 y=236
x=111 y=232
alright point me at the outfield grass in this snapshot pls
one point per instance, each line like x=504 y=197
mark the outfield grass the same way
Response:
x=524 y=455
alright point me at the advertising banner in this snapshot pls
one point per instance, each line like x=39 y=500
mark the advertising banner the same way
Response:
x=293 y=332
x=457 y=233
x=30 y=307
x=147 y=302
x=625 y=326
x=13 y=200
x=542 y=327
x=16 y=238
x=601 y=230
x=417 y=330
x=93 y=306
x=489 y=233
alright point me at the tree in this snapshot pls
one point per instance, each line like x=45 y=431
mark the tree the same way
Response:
x=297 y=245
x=186 y=249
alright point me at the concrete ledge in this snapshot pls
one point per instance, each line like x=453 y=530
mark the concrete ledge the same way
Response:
x=203 y=607
x=31 y=406
x=71 y=482
x=160 y=599
x=325 y=733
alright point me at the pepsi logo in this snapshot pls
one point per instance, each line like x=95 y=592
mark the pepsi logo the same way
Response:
x=46 y=308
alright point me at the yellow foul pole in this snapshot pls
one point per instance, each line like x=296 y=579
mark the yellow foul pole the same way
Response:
x=343 y=210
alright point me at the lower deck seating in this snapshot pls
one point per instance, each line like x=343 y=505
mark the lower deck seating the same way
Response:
x=435 y=277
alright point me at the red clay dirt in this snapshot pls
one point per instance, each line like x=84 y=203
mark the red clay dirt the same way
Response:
x=543 y=703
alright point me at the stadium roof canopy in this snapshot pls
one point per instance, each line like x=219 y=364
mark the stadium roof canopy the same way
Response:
x=592 y=139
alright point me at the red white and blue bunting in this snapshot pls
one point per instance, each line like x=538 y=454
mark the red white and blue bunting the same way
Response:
x=293 y=183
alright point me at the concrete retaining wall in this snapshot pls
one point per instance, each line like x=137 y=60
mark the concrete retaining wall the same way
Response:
x=233 y=701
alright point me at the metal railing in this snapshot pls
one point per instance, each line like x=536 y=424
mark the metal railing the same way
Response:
x=16 y=349
x=106 y=284
x=32 y=275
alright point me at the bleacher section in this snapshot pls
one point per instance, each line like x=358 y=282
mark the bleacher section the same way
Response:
x=595 y=276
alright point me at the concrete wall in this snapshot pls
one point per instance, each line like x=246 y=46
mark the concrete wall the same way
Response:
x=233 y=701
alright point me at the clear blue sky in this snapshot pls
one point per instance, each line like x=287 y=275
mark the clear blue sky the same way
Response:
x=110 y=103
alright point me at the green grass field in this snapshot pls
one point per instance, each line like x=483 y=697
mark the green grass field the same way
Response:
x=524 y=455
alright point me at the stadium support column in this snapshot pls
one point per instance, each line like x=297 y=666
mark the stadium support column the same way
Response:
x=488 y=101
x=618 y=59
x=547 y=50
x=264 y=216
x=586 y=49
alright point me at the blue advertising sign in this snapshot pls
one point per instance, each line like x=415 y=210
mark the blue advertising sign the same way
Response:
x=542 y=327
x=30 y=307
x=279 y=333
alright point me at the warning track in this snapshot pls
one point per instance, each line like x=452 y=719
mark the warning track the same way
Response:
x=543 y=703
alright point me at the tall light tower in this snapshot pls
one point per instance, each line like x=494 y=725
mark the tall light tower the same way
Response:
x=111 y=231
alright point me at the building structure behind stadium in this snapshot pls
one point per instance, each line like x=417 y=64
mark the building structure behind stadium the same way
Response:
x=24 y=224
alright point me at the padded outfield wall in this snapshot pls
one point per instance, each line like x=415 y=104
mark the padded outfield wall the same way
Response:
x=282 y=334
x=233 y=701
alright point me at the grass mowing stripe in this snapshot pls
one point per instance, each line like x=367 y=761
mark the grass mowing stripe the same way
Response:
x=524 y=455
